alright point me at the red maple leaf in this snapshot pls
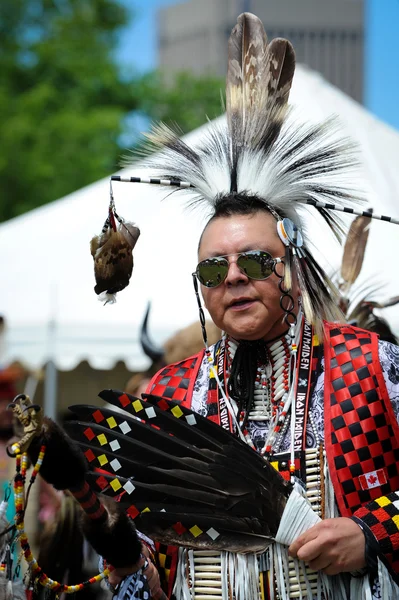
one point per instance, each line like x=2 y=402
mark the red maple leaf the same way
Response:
x=372 y=479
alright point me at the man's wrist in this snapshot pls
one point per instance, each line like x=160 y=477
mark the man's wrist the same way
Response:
x=371 y=549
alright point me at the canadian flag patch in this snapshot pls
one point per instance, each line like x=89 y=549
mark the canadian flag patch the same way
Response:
x=372 y=479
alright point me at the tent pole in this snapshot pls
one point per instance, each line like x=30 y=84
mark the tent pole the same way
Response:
x=50 y=390
x=51 y=376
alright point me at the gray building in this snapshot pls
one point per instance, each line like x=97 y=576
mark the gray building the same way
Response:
x=327 y=35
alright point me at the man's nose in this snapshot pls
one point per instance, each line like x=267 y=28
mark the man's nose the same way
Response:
x=235 y=274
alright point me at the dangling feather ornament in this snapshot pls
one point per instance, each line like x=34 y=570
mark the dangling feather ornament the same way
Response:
x=362 y=312
x=354 y=251
x=112 y=252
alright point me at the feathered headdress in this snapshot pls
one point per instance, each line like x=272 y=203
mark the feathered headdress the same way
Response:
x=263 y=153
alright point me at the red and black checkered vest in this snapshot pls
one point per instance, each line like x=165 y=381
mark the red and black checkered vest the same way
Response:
x=361 y=431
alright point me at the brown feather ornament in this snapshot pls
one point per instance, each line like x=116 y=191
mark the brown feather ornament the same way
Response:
x=259 y=79
x=112 y=252
x=354 y=250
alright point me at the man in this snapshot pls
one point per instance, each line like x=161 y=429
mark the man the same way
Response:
x=248 y=309
x=281 y=378
x=307 y=394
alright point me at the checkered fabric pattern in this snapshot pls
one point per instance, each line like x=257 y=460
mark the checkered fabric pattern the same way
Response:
x=166 y=561
x=361 y=432
x=382 y=518
x=176 y=381
x=212 y=401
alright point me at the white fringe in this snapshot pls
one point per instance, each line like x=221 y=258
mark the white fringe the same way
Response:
x=298 y=517
x=330 y=507
x=181 y=589
x=240 y=572
x=388 y=587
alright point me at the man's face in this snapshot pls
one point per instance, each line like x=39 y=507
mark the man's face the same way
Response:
x=245 y=308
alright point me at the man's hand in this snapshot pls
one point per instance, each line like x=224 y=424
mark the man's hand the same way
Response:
x=332 y=546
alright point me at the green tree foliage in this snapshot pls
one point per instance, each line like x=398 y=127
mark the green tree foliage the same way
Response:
x=182 y=99
x=64 y=103
x=61 y=98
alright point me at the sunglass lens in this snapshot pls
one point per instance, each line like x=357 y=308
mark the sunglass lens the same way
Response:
x=213 y=271
x=256 y=265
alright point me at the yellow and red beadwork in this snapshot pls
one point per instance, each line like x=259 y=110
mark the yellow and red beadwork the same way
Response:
x=19 y=496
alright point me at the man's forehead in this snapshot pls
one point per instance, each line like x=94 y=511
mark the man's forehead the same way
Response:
x=256 y=231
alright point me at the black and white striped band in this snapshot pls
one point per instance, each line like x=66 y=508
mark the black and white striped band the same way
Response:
x=309 y=201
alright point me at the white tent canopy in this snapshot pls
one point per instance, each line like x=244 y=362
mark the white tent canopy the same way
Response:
x=47 y=272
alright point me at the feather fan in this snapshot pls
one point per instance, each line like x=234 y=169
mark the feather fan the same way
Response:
x=182 y=478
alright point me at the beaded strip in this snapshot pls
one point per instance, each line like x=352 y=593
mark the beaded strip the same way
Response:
x=207 y=584
x=298 y=587
x=20 y=504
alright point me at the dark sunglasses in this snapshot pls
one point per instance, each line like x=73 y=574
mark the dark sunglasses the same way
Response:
x=256 y=264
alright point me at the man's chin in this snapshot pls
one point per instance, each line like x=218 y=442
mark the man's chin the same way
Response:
x=251 y=332
x=246 y=333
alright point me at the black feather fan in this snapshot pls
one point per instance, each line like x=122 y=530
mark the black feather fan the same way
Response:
x=183 y=479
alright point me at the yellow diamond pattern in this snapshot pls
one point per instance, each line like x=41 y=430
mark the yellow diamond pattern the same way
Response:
x=177 y=411
x=137 y=405
x=116 y=484
x=383 y=501
x=274 y=464
x=102 y=459
x=102 y=439
x=196 y=531
x=395 y=519
x=111 y=422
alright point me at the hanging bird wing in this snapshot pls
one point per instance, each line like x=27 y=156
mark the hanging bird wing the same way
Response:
x=113 y=258
x=354 y=250
x=182 y=478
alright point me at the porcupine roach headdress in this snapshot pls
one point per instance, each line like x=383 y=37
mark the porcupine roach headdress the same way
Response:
x=262 y=153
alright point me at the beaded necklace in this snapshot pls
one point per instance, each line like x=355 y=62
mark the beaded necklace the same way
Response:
x=273 y=391
x=20 y=507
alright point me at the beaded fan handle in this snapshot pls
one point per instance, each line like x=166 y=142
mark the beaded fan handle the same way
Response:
x=20 y=507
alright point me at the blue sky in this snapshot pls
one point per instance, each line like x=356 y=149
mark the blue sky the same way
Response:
x=138 y=43
x=138 y=50
x=382 y=60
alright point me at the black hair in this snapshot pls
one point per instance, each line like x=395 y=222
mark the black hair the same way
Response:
x=239 y=204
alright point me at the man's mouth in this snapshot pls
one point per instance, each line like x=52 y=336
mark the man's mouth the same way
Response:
x=241 y=303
